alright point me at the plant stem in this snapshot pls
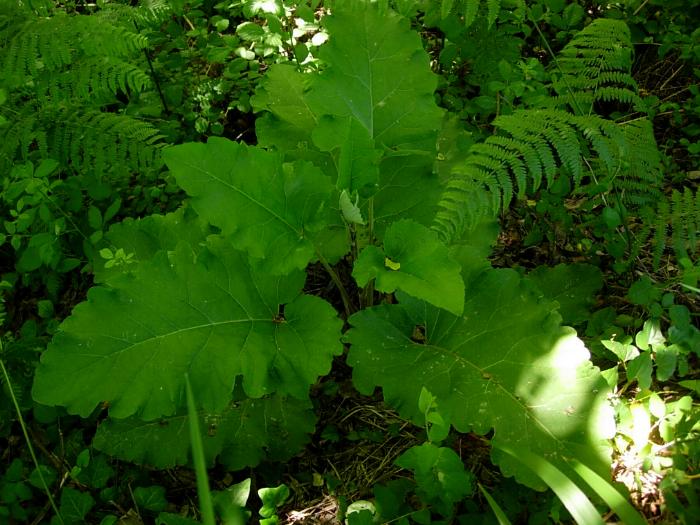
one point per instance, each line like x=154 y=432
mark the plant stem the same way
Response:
x=367 y=297
x=556 y=62
x=22 y=424
x=206 y=505
x=636 y=11
x=290 y=24
x=153 y=75
x=65 y=215
x=347 y=303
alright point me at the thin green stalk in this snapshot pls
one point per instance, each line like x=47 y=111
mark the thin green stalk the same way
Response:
x=206 y=505
x=495 y=507
x=624 y=510
x=556 y=63
x=290 y=24
x=65 y=215
x=368 y=295
x=153 y=75
x=641 y=6
x=347 y=303
x=370 y=219
x=368 y=292
x=6 y=375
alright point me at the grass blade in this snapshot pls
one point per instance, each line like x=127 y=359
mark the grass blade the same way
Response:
x=624 y=510
x=500 y=515
x=206 y=506
x=18 y=411
x=573 y=498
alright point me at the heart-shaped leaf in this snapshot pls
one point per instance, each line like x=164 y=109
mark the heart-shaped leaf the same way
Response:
x=214 y=315
x=504 y=364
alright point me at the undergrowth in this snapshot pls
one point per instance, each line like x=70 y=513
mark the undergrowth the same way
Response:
x=348 y=262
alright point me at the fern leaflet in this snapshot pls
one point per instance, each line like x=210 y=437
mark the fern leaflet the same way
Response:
x=528 y=150
x=470 y=9
x=594 y=67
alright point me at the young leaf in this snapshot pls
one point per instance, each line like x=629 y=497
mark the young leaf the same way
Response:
x=415 y=261
x=272 y=497
x=215 y=315
x=75 y=505
x=146 y=237
x=94 y=218
x=231 y=503
x=268 y=208
x=439 y=473
x=151 y=498
x=666 y=360
x=357 y=163
x=640 y=368
x=242 y=435
x=504 y=364
x=351 y=213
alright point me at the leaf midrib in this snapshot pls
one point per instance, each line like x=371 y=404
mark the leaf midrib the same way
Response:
x=261 y=205
x=132 y=345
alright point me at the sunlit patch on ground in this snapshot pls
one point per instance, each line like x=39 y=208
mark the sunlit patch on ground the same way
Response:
x=321 y=513
x=643 y=486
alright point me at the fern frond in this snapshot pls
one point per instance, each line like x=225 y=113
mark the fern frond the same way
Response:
x=446 y=8
x=453 y=215
x=149 y=13
x=108 y=143
x=640 y=180
x=59 y=72
x=94 y=80
x=595 y=67
x=531 y=145
x=685 y=222
x=471 y=8
x=494 y=7
x=674 y=222
x=55 y=53
x=660 y=226
x=505 y=150
x=530 y=159
x=83 y=141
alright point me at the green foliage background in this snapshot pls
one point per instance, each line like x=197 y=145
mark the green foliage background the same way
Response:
x=479 y=219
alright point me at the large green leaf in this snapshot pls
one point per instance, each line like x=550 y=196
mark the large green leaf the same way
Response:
x=377 y=74
x=270 y=209
x=215 y=316
x=357 y=164
x=505 y=364
x=288 y=121
x=439 y=474
x=573 y=286
x=240 y=436
x=408 y=189
x=380 y=76
x=141 y=239
x=415 y=261
x=374 y=98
